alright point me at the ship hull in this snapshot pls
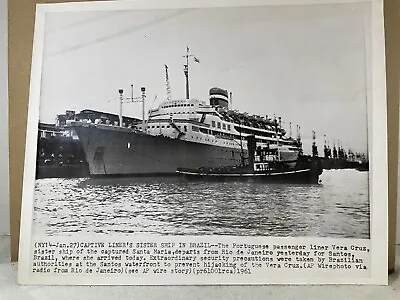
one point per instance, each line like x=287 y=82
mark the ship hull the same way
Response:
x=62 y=171
x=307 y=170
x=115 y=151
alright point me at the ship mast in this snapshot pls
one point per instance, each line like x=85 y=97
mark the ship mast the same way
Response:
x=186 y=69
x=121 y=98
x=298 y=134
x=132 y=93
x=143 y=90
x=299 y=143
x=167 y=85
x=314 y=145
x=141 y=98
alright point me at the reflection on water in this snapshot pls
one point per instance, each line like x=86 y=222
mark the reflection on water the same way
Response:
x=339 y=207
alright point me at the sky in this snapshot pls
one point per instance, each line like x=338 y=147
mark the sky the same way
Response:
x=306 y=64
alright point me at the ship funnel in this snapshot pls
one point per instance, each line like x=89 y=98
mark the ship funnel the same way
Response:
x=120 y=91
x=219 y=97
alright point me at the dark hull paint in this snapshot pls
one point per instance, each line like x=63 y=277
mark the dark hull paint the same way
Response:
x=113 y=151
x=363 y=167
x=307 y=170
x=64 y=171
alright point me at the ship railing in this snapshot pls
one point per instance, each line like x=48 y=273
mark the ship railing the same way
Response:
x=225 y=137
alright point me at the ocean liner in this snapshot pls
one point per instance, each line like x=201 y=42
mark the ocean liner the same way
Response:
x=181 y=133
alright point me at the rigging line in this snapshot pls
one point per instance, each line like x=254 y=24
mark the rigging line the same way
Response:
x=86 y=21
x=154 y=100
x=122 y=32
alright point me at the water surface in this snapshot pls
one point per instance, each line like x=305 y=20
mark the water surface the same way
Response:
x=339 y=207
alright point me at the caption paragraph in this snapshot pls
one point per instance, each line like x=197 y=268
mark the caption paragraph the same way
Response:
x=192 y=258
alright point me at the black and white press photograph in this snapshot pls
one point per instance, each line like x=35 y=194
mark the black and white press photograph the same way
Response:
x=224 y=121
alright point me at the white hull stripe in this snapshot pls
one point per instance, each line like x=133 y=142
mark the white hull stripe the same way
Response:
x=244 y=174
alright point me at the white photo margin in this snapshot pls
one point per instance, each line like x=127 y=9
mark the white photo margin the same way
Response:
x=377 y=137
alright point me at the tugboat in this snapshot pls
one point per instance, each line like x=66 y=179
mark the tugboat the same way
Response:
x=263 y=164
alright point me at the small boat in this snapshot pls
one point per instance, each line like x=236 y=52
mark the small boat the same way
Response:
x=363 y=166
x=263 y=164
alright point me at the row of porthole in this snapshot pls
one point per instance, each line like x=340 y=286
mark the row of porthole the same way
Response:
x=223 y=158
x=225 y=143
x=223 y=150
x=176 y=113
x=177 y=105
x=165 y=126
x=158 y=126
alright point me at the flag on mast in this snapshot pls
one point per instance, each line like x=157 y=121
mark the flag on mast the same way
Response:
x=196 y=59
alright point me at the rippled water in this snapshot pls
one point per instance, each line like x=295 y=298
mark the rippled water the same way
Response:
x=339 y=207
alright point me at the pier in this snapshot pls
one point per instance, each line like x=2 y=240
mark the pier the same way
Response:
x=334 y=164
x=338 y=157
x=60 y=153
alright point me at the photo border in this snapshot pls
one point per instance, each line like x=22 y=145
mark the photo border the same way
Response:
x=377 y=132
